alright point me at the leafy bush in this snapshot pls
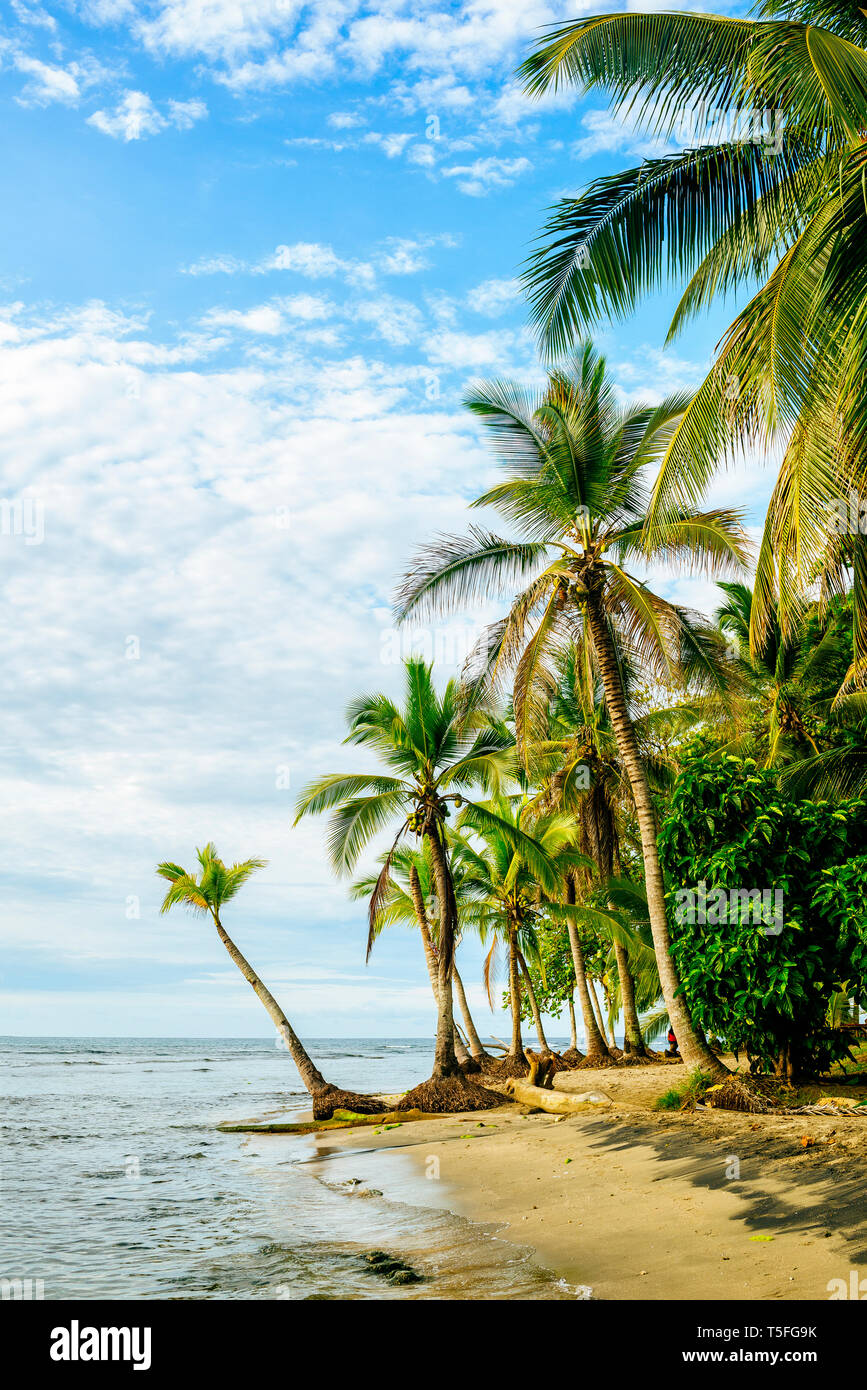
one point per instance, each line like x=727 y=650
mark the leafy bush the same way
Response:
x=731 y=827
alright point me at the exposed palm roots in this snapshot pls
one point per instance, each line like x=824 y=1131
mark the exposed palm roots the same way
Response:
x=332 y=1098
x=449 y=1095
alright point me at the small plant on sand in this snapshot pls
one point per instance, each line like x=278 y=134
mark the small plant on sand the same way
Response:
x=688 y=1094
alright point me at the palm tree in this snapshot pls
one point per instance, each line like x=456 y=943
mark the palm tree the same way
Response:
x=582 y=774
x=410 y=900
x=438 y=745
x=574 y=464
x=215 y=886
x=794 y=677
x=780 y=206
x=503 y=896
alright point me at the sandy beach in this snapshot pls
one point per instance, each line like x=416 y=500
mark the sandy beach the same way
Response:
x=633 y=1203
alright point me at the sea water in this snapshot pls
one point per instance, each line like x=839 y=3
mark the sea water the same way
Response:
x=115 y=1182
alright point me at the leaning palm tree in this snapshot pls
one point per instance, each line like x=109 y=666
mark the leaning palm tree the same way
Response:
x=769 y=190
x=437 y=746
x=208 y=894
x=574 y=464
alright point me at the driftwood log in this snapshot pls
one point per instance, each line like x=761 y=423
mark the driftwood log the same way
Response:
x=555 y=1102
x=343 y=1119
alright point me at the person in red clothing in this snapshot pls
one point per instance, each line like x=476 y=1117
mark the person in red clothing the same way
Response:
x=672 y=1044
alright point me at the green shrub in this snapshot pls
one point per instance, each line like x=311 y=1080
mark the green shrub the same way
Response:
x=766 y=990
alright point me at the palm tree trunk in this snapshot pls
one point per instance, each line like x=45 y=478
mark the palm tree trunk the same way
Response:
x=594 y=1043
x=598 y=1013
x=694 y=1049
x=310 y=1074
x=633 y=1042
x=430 y=954
x=517 y=1049
x=460 y=1051
x=573 y=1029
x=534 y=1004
x=445 y=1060
x=477 y=1050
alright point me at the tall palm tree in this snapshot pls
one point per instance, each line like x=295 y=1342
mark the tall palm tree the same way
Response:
x=574 y=463
x=438 y=745
x=777 y=201
x=208 y=894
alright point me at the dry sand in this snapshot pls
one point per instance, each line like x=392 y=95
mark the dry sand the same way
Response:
x=634 y=1203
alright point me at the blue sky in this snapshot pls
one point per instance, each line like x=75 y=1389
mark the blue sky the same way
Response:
x=251 y=252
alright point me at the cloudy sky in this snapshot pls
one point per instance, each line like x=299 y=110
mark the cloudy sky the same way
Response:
x=251 y=252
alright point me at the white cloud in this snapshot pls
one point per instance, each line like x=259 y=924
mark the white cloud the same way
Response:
x=462 y=350
x=403 y=257
x=422 y=154
x=184 y=114
x=494 y=297
x=345 y=120
x=392 y=144
x=477 y=179
x=136 y=116
x=306 y=258
x=53 y=82
x=608 y=134
x=395 y=320
x=47 y=84
x=215 y=265
x=33 y=15
x=308 y=307
x=216 y=28
x=264 y=318
x=317 y=261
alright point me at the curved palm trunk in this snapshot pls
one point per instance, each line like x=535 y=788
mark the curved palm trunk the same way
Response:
x=534 y=1004
x=309 y=1072
x=694 y=1049
x=517 y=1048
x=445 y=1059
x=633 y=1042
x=594 y=1043
x=573 y=1029
x=476 y=1047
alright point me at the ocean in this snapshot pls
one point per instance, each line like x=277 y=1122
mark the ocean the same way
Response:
x=115 y=1182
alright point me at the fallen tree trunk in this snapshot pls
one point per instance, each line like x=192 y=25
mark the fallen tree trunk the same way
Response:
x=555 y=1102
x=343 y=1119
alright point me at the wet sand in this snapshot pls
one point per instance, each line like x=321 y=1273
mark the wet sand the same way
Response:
x=632 y=1203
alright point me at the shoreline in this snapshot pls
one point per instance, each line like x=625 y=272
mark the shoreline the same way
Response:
x=639 y=1204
